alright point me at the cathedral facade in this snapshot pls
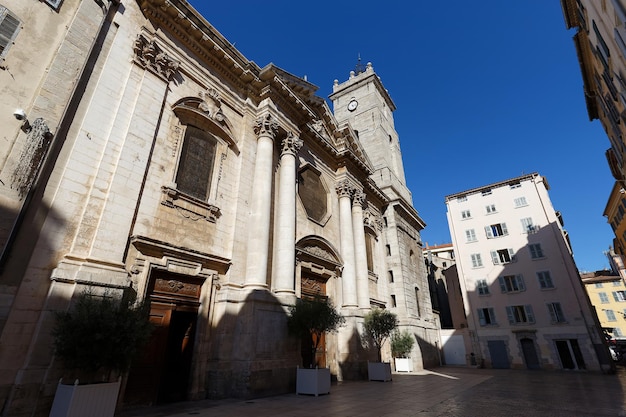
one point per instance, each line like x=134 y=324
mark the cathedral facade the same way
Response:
x=153 y=155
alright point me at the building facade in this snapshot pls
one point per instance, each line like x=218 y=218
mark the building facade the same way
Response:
x=600 y=42
x=525 y=304
x=149 y=153
x=607 y=293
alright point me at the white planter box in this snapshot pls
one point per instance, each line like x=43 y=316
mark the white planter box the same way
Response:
x=379 y=371
x=313 y=381
x=93 y=400
x=404 y=365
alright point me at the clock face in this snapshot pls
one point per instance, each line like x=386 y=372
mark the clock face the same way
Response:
x=352 y=105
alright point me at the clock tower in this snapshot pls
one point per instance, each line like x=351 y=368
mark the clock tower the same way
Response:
x=364 y=103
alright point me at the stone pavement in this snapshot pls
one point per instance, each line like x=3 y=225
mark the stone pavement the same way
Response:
x=445 y=391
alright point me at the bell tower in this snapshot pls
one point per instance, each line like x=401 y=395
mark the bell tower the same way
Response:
x=364 y=103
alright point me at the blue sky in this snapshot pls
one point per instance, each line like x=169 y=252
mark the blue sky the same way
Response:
x=485 y=91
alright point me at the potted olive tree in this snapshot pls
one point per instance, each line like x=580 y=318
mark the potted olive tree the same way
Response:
x=96 y=340
x=310 y=319
x=401 y=345
x=379 y=324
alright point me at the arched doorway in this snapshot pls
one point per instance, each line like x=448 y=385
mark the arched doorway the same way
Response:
x=162 y=372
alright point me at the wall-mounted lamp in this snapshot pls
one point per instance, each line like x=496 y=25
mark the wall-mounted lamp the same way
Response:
x=20 y=115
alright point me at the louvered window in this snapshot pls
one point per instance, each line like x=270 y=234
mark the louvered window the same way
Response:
x=9 y=27
x=55 y=4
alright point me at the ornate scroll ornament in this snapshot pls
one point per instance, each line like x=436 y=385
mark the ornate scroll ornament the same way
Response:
x=148 y=55
x=266 y=126
x=211 y=104
x=344 y=189
x=291 y=144
x=319 y=252
x=31 y=157
x=358 y=198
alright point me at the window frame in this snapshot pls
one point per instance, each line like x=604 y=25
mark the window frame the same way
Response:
x=482 y=287
x=496 y=230
x=520 y=314
x=604 y=298
x=545 y=280
x=10 y=40
x=476 y=259
x=487 y=316
x=536 y=252
x=511 y=283
x=470 y=235
x=556 y=313
x=503 y=256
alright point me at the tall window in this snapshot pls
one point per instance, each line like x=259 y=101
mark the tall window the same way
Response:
x=619 y=296
x=486 y=316
x=520 y=314
x=481 y=287
x=598 y=285
x=502 y=256
x=496 y=230
x=477 y=262
x=393 y=301
x=491 y=208
x=545 y=280
x=520 y=202
x=610 y=315
x=470 y=234
x=528 y=226
x=370 y=242
x=417 y=301
x=556 y=313
x=9 y=27
x=603 y=297
x=465 y=214
x=196 y=163
x=511 y=283
x=390 y=275
x=535 y=250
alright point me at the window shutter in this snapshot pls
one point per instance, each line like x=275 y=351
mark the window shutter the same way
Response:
x=615 y=297
x=504 y=229
x=492 y=315
x=552 y=312
x=502 y=284
x=510 y=315
x=9 y=26
x=529 y=313
x=481 y=317
x=520 y=282
x=495 y=258
x=488 y=232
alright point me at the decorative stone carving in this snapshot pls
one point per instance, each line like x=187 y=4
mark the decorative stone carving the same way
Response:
x=319 y=252
x=358 y=198
x=344 y=189
x=291 y=144
x=266 y=126
x=148 y=55
x=31 y=156
x=211 y=104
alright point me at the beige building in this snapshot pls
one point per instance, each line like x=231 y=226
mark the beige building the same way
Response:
x=607 y=293
x=525 y=304
x=140 y=149
x=600 y=42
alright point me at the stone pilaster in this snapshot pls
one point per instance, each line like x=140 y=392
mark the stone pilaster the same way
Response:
x=344 y=190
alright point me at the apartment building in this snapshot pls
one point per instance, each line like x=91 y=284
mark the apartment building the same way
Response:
x=607 y=294
x=600 y=42
x=525 y=304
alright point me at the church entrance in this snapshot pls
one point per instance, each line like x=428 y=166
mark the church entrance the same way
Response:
x=161 y=374
x=313 y=286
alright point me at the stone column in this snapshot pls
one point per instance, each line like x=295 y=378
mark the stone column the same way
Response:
x=285 y=267
x=261 y=203
x=348 y=278
x=360 y=252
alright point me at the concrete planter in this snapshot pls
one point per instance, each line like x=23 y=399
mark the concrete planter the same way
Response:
x=404 y=365
x=379 y=371
x=313 y=381
x=93 y=400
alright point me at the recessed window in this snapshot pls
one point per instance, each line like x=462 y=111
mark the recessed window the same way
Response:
x=619 y=296
x=196 y=163
x=491 y=208
x=470 y=234
x=511 y=283
x=502 y=256
x=528 y=226
x=604 y=299
x=9 y=27
x=520 y=202
x=520 y=314
x=535 y=250
x=556 y=313
x=486 y=192
x=481 y=287
x=486 y=316
x=465 y=214
x=477 y=262
x=496 y=230
x=545 y=280
x=393 y=301
x=390 y=275
x=598 y=285
x=388 y=249
x=461 y=198
x=610 y=315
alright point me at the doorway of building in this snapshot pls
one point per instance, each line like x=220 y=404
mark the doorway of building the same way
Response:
x=530 y=353
x=313 y=286
x=499 y=354
x=569 y=353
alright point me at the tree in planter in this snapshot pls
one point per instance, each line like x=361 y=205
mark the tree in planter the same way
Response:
x=401 y=344
x=101 y=333
x=379 y=324
x=309 y=319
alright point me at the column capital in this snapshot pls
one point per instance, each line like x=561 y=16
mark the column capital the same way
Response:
x=291 y=144
x=358 y=199
x=266 y=126
x=344 y=188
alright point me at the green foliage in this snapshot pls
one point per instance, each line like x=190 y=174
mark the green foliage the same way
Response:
x=379 y=324
x=101 y=332
x=310 y=319
x=401 y=344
